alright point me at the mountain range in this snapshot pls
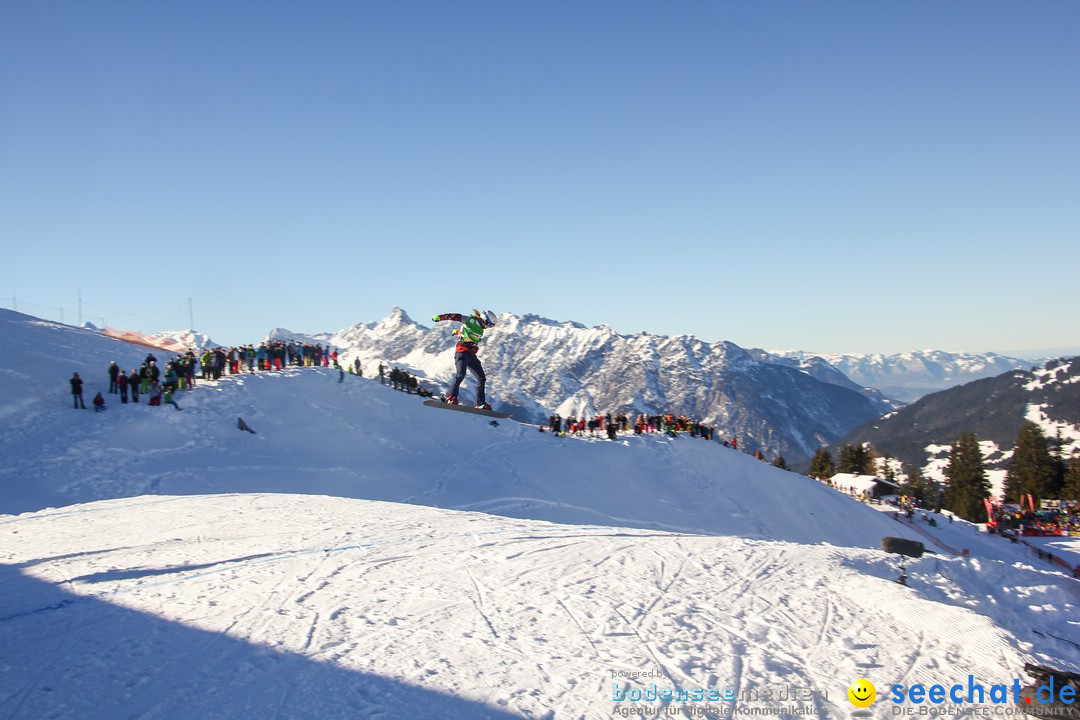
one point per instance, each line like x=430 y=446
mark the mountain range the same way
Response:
x=537 y=367
x=911 y=375
x=782 y=403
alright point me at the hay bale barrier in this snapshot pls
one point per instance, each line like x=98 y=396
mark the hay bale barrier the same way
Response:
x=903 y=546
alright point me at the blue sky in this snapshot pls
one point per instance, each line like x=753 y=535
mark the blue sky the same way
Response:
x=828 y=176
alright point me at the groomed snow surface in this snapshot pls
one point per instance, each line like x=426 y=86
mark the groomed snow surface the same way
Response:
x=361 y=556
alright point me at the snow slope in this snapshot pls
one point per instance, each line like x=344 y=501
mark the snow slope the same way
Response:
x=256 y=605
x=361 y=439
x=163 y=564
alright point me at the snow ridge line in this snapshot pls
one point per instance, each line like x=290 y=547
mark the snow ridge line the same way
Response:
x=44 y=515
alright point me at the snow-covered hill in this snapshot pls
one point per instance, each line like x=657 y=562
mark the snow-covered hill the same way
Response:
x=995 y=409
x=362 y=556
x=360 y=439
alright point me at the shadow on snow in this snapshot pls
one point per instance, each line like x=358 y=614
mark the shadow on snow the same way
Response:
x=64 y=655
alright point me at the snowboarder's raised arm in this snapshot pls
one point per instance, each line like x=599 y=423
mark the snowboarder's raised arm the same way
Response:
x=486 y=319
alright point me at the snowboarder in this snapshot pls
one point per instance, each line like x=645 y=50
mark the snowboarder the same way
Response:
x=114 y=372
x=99 y=403
x=76 y=391
x=469 y=334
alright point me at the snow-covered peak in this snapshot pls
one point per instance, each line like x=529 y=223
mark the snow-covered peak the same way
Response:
x=396 y=317
x=910 y=375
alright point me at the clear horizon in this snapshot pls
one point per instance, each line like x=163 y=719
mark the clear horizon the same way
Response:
x=830 y=176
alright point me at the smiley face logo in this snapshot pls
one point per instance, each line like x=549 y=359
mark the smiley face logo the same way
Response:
x=862 y=693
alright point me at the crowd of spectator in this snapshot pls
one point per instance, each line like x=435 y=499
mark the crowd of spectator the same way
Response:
x=1050 y=521
x=159 y=384
x=270 y=355
x=611 y=425
x=402 y=380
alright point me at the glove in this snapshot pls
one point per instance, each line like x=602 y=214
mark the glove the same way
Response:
x=436 y=318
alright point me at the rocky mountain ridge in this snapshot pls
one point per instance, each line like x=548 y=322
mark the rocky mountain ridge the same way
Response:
x=537 y=367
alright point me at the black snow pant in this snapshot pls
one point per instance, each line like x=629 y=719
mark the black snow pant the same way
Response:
x=468 y=361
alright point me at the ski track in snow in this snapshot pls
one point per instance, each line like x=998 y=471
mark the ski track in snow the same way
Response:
x=530 y=617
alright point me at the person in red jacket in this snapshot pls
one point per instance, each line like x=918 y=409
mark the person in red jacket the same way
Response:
x=469 y=335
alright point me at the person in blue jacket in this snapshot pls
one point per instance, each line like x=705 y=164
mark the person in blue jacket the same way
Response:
x=469 y=336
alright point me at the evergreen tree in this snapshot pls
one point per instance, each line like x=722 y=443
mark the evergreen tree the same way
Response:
x=781 y=463
x=968 y=486
x=1032 y=470
x=922 y=488
x=935 y=495
x=1072 y=479
x=1057 y=485
x=888 y=473
x=855 y=459
x=821 y=465
x=915 y=485
x=848 y=460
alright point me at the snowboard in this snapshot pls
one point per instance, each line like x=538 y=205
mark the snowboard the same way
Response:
x=465 y=408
